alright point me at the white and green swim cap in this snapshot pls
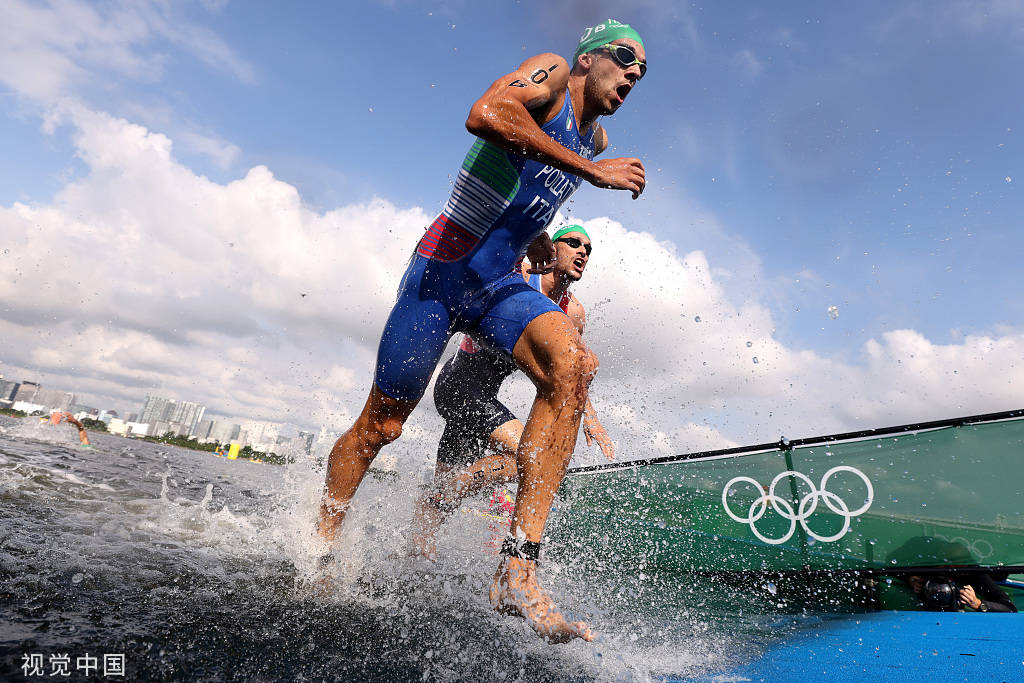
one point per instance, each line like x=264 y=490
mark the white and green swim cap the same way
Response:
x=596 y=36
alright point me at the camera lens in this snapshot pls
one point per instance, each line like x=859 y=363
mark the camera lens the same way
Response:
x=940 y=592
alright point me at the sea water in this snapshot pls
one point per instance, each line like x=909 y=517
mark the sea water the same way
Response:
x=187 y=566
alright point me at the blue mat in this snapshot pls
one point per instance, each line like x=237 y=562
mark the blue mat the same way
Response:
x=893 y=646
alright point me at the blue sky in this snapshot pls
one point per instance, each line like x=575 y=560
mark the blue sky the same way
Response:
x=865 y=156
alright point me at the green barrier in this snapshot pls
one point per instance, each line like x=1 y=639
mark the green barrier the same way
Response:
x=939 y=494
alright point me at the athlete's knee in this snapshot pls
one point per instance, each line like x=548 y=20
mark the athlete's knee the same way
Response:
x=372 y=432
x=384 y=429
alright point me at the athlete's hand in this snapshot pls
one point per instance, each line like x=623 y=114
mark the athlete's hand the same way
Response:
x=595 y=431
x=541 y=253
x=623 y=173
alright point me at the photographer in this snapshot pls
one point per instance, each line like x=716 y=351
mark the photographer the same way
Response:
x=945 y=576
x=975 y=591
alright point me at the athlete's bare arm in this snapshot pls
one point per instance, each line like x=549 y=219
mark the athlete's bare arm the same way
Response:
x=83 y=436
x=576 y=313
x=513 y=109
x=600 y=145
x=71 y=418
x=600 y=140
x=593 y=430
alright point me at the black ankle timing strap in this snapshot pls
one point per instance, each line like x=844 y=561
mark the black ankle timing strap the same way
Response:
x=524 y=550
x=440 y=504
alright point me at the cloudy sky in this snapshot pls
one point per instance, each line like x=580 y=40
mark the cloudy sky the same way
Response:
x=214 y=201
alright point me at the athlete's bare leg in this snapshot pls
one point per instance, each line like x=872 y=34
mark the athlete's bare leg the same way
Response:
x=504 y=440
x=551 y=352
x=379 y=424
x=452 y=487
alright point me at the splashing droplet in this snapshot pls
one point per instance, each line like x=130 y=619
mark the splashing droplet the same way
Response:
x=833 y=312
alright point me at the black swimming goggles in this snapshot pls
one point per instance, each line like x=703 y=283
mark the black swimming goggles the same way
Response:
x=625 y=57
x=576 y=243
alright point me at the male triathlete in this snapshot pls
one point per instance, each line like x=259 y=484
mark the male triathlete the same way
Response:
x=481 y=436
x=537 y=135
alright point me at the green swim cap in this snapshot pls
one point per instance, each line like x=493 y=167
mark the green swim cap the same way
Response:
x=570 y=228
x=596 y=36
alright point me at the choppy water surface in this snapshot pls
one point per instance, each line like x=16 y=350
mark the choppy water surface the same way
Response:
x=200 y=568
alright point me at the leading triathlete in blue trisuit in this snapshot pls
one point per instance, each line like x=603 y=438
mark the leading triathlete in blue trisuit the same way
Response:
x=537 y=135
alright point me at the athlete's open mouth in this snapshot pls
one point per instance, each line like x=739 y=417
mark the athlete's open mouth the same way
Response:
x=579 y=263
x=623 y=90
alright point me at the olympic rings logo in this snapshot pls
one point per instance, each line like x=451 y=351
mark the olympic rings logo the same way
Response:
x=808 y=504
x=975 y=548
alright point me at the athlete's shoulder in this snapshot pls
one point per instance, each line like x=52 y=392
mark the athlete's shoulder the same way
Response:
x=546 y=69
x=552 y=62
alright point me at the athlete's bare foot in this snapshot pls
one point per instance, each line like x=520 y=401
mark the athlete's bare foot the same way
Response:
x=321 y=581
x=515 y=591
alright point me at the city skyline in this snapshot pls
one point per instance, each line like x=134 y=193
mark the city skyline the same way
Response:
x=163 y=415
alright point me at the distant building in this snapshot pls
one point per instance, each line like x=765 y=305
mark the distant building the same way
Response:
x=54 y=399
x=323 y=444
x=7 y=389
x=202 y=431
x=262 y=436
x=182 y=417
x=223 y=431
x=29 y=408
x=26 y=391
x=155 y=409
x=186 y=416
x=137 y=428
x=33 y=392
x=127 y=428
x=294 y=445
